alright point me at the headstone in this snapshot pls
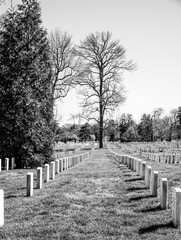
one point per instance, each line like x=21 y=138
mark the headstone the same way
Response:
x=129 y=162
x=29 y=184
x=12 y=163
x=139 y=167
x=122 y=159
x=60 y=165
x=47 y=172
x=148 y=176
x=154 y=183
x=1 y=207
x=163 y=193
x=177 y=158
x=176 y=200
x=64 y=166
x=7 y=164
x=143 y=166
x=172 y=158
x=125 y=160
x=132 y=163
x=39 y=177
x=57 y=166
x=52 y=170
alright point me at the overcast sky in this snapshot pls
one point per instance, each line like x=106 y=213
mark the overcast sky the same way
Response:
x=150 y=30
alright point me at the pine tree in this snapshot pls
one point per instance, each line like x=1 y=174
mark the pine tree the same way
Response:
x=26 y=113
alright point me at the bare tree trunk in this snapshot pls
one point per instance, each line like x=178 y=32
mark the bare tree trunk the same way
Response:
x=101 y=128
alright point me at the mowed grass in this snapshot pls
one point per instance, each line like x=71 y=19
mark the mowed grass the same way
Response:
x=96 y=199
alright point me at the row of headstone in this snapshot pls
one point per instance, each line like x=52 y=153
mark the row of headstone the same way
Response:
x=161 y=157
x=143 y=170
x=55 y=167
x=59 y=154
x=9 y=164
x=151 y=178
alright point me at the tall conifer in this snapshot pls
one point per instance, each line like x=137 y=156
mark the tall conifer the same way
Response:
x=26 y=112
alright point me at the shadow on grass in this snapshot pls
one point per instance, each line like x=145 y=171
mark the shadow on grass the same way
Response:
x=133 y=179
x=135 y=188
x=153 y=228
x=126 y=175
x=149 y=209
x=139 y=197
x=13 y=196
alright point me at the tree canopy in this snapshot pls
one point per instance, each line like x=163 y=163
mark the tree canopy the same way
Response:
x=25 y=86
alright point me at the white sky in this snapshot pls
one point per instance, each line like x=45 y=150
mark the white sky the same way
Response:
x=150 y=30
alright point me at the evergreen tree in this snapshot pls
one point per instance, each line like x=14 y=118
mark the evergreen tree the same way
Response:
x=25 y=86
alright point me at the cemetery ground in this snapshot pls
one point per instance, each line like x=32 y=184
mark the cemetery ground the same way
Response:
x=96 y=199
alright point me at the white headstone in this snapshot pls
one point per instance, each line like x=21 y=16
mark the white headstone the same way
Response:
x=176 y=205
x=1 y=207
x=47 y=172
x=57 y=166
x=52 y=170
x=154 y=183
x=163 y=193
x=29 y=184
x=148 y=176
x=12 y=162
x=7 y=163
x=39 y=177
x=143 y=166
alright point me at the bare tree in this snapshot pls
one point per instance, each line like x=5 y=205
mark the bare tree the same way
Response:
x=63 y=63
x=103 y=62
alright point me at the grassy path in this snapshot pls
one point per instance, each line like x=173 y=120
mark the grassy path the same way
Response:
x=96 y=199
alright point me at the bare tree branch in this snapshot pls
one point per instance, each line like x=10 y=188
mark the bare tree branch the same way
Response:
x=63 y=63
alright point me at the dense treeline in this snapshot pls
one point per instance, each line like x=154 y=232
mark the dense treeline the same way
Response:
x=26 y=112
x=151 y=127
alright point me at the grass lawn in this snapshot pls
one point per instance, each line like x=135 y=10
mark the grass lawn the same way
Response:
x=96 y=199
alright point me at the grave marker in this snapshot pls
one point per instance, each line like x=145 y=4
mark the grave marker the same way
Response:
x=7 y=164
x=176 y=200
x=163 y=193
x=1 y=207
x=148 y=175
x=29 y=184
x=142 y=170
x=57 y=167
x=52 y=171
x=47 y=172
x=154 y=183
x=39 y=177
